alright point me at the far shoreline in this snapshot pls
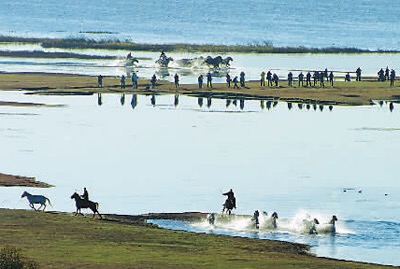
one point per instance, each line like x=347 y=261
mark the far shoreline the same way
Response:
x=7 y=180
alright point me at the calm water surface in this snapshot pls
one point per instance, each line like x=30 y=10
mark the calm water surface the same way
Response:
x=166 y=158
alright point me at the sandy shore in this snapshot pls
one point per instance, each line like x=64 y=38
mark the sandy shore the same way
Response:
x=342 y=93
x=21 y=181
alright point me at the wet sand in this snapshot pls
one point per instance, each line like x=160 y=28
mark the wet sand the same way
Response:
x=342 y=93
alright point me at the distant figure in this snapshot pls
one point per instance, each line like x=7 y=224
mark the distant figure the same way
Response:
x=275 y=78
x=331 y=78
x=381 y=75
x=256 y=220
x=321 y=80
x=230 y=202
x=123 y=82
x=387 y=73
x=358 y=74
x=200 y=81
x=392 y=77
x=235 y=82
x=129 y=56
x=211 y=218
x=326 y=74
x=315 y=77
x=269 y=78
x=262 y=79
x=85 y=194
x=153 y=81
x=228 y=80
x=209 y=80
x=100 y=81
x=290 y=79
x=176 y=80
x=301 y=78
x=134 y=80
x=347 y=77
x=308 y=79
x=242 y=79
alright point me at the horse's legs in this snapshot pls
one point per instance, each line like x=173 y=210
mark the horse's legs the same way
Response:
x=32 y=206
x=44 y=207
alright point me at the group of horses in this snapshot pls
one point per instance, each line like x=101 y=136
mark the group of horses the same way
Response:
x=163 y=61
x=310 y=226
x=80 y=202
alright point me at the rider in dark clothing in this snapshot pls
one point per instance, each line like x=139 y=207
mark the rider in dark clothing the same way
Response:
x=231 y=197
x=85 y=194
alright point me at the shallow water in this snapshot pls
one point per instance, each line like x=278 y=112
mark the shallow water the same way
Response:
x=359 y=23
x=164 y=158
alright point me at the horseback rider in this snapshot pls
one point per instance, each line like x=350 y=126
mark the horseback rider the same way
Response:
x=231 y=198
x=85 y=194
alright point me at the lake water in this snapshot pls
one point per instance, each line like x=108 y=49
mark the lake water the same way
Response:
x=342 y=23
x=176 y=158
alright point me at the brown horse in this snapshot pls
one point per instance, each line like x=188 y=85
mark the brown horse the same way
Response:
x=82 y=203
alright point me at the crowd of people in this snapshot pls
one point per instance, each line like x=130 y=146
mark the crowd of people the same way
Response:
x=267 y=79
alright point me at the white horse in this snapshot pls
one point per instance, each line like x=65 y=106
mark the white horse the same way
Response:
x=211 y=218
x=310 y=226
x=164 y=61
x=329 y=227
x=36 y=199
x=269 y=222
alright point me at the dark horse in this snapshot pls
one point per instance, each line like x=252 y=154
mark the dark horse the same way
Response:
x=82 y=203
x=228 y=206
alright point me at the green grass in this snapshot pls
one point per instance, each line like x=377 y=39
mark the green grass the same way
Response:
x=116 y=44
x=66 y=241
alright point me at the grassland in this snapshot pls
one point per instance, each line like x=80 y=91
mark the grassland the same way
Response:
x=342 y=93
x=113 y=44
x=61 y=240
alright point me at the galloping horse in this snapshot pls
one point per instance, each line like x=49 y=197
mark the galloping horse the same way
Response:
x=82 y=203
x=164 y=61
x=228 y=206
x=36 y=199
x=226 y=61
x=213 y=62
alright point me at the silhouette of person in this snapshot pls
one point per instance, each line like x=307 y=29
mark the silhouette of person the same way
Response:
x=275 y=78
x=209 y=80
x=242 y=79
x=290 y=79
x=347 y=77
x=331 y=78
x=85 y=194
x=176 y=80
x=100 y=81
x=269 y=78
x=301 y=78
x=200 y=81
x=387 y=73
x=228 y=80
x=392 y=77
x=153 y=81
x=308 y=79
x=231 y=197
x=134 y=80
x=123 y=82
x=262 y=79
x=358 y=74
x=235 y=82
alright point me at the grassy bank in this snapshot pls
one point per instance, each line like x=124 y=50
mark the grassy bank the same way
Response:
x=342 y=93
x=261 y=47
x=65 y=241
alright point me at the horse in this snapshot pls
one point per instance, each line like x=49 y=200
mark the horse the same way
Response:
x=82 y=203
x=36 y=199
x=213 y=62
x=211 y=218
x=328 y=227
x=269 y=222
x=189 y=62
x=228 y=206
x=226 y=61
x=311 y=226
x=131 y=61
x=256 y=219
x=164 y=61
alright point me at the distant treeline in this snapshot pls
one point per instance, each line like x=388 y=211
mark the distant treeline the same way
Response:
x=86 y=43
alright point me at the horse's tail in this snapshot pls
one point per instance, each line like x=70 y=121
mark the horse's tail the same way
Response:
x=97 y=206
x=48 y=201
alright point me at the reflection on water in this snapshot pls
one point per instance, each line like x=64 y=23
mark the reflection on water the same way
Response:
x=178 y=158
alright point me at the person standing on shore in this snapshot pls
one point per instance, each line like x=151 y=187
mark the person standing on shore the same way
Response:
x=392 y=77
x=209 y=80
x=358 y=74
x=200 y=81
x=100 y=81
x=275 y=78
x=262 y=80
x=290 y=79
x=235 y=83
x=123 y=82
x=242 y=79
x=387 y=73
x=308 y=79
x=228 y=80
x=134 y=80
x=176 y=80
x=301 y=78
x=331 y=78
x=269 y=78
x=153 y=81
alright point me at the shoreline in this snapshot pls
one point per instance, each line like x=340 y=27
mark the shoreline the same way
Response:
x=342 y=93
x=131 y=242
